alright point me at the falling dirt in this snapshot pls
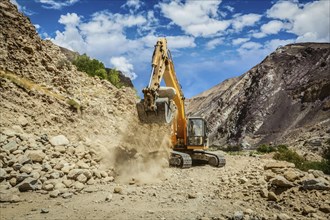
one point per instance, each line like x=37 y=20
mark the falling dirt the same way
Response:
x=136 y=152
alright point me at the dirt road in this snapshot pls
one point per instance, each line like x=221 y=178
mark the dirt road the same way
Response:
x=200 y=192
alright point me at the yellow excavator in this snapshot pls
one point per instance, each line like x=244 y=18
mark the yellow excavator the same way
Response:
x=165 y=104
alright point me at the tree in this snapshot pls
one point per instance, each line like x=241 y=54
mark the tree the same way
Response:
x=113 y=77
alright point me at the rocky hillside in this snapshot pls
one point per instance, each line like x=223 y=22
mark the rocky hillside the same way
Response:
x=284 y=99
x=61 y=129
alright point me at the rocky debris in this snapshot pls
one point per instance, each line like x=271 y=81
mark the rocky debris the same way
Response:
x=30 y=169
x=9 y=197
x=280 y=181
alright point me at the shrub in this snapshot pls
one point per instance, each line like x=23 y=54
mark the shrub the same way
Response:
x=301 y=163
x=233 y=148
x=94 y=67
x=265 y=148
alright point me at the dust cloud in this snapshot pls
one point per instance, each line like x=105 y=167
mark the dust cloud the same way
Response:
x=136 y=152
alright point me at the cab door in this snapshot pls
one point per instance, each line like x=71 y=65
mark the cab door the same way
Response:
x=197 y=136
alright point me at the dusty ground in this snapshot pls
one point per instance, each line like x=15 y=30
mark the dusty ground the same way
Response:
x=200 y=192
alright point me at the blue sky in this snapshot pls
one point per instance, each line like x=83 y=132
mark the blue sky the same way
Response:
x=210 y=40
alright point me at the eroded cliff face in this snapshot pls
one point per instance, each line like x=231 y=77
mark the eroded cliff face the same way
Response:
x=284 y=99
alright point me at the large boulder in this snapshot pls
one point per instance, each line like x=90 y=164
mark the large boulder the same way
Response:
x=28 y=184
x=59 y=140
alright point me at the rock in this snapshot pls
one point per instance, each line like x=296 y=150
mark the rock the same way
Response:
x=279 y=164
x=48 y=187
x=192 y=195
x=79 y=186
x=36 y=155
x=316 y=173
x=291 y=175
x=11 y=146
x=59 y=140
x=325 y=208
x=21 y=120
x=108 y=179
x=308 y=209
x=91 y=181
x=23 y=159
x=2 y=138
x=9 y=197
x=74 y=173
x=82 y=165
x=82 y=178
x=44 y=211
x=238 y=215
x=243 y=180
x=60 y=149
x=13 y=181
x=28 y=184
x=264 y=193
x=9 y=132
x=108 y=198
x=280 y=181
x=59 y=186
x=27 y=168
x=3 y=174
x=118 y=190
x=318 y=184
x=272 y=196
x=67 y=195
x=283 y=216
x=67 y=183
x=54 y=194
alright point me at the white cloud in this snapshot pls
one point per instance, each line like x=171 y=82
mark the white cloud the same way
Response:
x=56 y=4
x=133 y=5
x=239 y=41
x=69 y=19
x=242 y=21
x=37 y=26
x=272 y=27
x=104 y=37
x=198 y=18
x=212 y=44
x=310 y=21
x=283 y=10
x=123 y=65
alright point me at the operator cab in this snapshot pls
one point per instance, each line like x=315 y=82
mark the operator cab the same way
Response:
x=197 y=132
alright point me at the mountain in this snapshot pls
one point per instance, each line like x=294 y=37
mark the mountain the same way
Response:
x=284 y=99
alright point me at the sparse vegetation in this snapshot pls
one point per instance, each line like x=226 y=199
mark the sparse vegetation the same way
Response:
x=283 y=153
x=94 y=67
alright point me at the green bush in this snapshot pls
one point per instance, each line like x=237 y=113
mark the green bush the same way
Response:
x=94 y=67
x=264 y=148
x=301 y=163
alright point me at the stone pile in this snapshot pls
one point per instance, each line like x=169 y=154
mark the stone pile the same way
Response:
x=50 y=164
x=280 y=188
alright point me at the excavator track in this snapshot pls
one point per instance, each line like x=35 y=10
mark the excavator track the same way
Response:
x=179 y=159
x=214 y=159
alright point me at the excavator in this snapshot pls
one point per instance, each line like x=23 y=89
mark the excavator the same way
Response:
x=165 y=104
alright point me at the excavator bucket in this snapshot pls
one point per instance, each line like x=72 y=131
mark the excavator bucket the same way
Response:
x=163 y=114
